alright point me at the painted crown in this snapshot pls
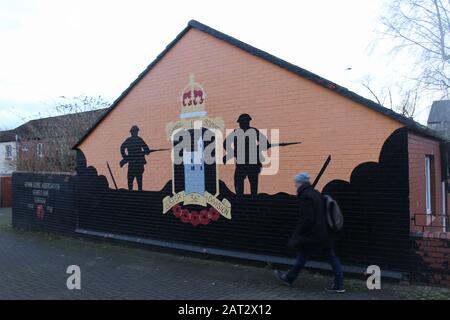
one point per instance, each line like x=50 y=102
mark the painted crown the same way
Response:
x=193 y=100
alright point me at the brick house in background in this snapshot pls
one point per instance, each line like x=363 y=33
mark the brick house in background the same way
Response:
x=45 y=144
x=37 y=144
x=8 y=156
x=8 y=152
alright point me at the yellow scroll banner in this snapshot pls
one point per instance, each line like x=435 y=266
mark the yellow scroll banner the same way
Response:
x=223 y=207
x=205 y=122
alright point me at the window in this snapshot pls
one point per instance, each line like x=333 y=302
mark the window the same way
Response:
x=40 y=150
x=429 y=184
x=8 y=152
x=444 y=207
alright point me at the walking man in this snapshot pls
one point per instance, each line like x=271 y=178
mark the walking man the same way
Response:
x=311 y=235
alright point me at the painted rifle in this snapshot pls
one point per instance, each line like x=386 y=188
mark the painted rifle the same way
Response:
x=322 y=170
x=282 y=144
x=273 y=145
x=112 y=176
x=125 y=160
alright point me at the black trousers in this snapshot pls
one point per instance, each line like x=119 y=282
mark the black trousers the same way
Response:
x=303 y=256
x=135 y=172
x=250 y=171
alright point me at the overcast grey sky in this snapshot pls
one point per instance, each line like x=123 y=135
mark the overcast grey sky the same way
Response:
x=69 y=48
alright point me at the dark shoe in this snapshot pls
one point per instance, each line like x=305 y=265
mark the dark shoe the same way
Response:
x=282 y=277
x=336 y=289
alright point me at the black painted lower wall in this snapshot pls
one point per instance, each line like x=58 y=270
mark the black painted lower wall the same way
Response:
x=44 y=202
x=375 y=205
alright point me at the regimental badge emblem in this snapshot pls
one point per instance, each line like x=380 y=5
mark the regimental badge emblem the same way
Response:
x=194 y=139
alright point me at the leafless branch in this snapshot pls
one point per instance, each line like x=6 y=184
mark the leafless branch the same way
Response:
x=423 y=28
x=57 y=135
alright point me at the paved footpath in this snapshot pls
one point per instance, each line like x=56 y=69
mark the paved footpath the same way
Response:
x=33 y=266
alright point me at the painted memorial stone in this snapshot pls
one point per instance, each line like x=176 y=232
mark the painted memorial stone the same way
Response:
x=195 y=172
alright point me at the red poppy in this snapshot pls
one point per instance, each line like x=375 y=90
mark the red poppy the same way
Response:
x=177 y=211
x=204 y=217
x=195 y=218
x=40 y=211
x=214 y=214
x=185 y=216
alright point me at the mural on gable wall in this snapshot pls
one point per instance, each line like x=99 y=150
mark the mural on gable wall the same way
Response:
x=126 y=192
x=195 y=138
x=208 y=209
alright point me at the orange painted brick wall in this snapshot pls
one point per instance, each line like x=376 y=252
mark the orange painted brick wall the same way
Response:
x=236 y=82
x=418 y=148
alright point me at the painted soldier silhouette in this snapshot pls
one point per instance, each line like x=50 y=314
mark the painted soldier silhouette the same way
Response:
x=247 y=143
x=133 y=150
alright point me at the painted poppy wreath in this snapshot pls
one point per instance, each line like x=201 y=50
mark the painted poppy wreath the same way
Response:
x=195 y=218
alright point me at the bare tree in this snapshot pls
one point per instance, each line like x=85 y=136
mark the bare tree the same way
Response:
x=45 y=144
x=381 y=95
x=407 y=101
x=423 y=28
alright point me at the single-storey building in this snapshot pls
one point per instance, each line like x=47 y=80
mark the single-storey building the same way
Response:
x=8 y=161
x=388 y=173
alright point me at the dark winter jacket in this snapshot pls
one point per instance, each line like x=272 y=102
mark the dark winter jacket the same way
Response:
x=312 y=227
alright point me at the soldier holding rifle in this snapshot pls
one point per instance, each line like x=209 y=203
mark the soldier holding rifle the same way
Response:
x=247 y=144
x=133 y=151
